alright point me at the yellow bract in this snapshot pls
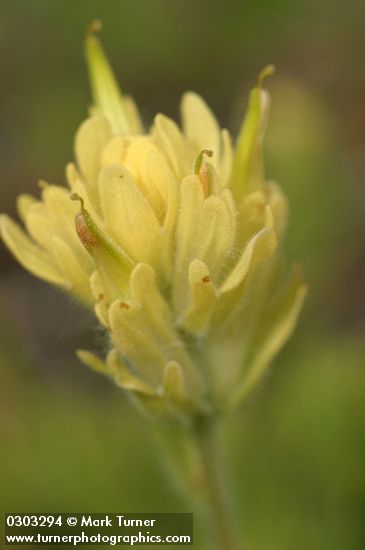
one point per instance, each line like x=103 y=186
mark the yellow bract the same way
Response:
x=176 y=245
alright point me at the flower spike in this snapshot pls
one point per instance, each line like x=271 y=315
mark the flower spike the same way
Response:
x=177 y=249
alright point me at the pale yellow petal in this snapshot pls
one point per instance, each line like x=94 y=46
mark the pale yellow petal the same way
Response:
x=133 y=342
x=203 y=298
x=251 y=215
x=227 y=197
x=189 y=219
x=269 y=217
x=251 y=203
x=115 y=151
x=161 y=176
x=101 y=314
x=275 y=329
x=136 y=161
x=23 y=203
x=28 y=254
x=92 y=361
x=145 y=292
x=200 y=125
x=62 y=211
x=143 y=328
x=279 y=206
x=216 y=234
x=157 y=319
x=261 y=246
x=226 y=160
x=96 y=286
x=123 y=376
x=91 y=138
x=70 y=266
x=60 y=208
x=133 y=116
x=205 y=231
x=171 y=143
x=129 y=218
x=72 y=174
x=39 y=225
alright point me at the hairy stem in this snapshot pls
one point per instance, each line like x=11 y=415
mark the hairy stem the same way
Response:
x=215 y=488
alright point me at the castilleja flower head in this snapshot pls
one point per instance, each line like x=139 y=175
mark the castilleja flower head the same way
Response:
x=173 y=236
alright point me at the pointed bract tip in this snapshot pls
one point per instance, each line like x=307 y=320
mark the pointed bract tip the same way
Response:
x=94 y=27
x=267 y=71
x=107 y=95
x=3 y=221
x=42 y=184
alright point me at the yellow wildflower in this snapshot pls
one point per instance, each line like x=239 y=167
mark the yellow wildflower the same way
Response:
x=175 y=245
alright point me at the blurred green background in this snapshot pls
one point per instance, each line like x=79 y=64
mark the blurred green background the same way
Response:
x=69 y=439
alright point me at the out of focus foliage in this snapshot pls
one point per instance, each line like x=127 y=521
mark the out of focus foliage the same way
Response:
x=69 y=439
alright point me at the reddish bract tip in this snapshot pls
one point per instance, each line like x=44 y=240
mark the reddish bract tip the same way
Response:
x=87 y=238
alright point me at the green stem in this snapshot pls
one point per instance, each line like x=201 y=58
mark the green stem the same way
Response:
x=215 y=488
